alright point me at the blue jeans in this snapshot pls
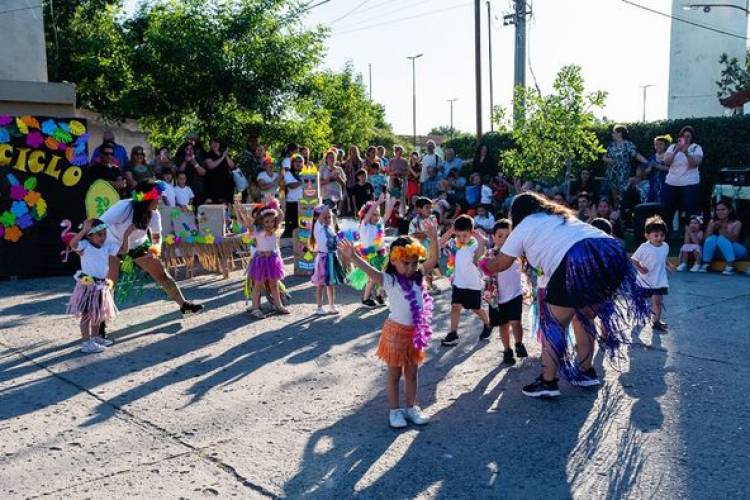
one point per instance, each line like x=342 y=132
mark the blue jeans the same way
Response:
x=731 y=251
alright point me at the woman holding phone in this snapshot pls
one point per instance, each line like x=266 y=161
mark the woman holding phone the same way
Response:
x=682 y=189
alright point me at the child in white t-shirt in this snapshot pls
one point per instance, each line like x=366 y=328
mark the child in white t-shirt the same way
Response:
x=467 y=281
x=651 y=262
x=168 y=194
x=183 y=194
x=504 y=295
x=92 y=300
x=484 y=220
x=423 y=208
x=407 y=331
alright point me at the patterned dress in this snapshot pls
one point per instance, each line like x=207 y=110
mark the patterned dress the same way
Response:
x=619 y=172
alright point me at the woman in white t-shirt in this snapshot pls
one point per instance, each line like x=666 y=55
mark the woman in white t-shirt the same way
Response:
x=143 y=242
x=268 y=180
x=682 y=190
x=585 y=274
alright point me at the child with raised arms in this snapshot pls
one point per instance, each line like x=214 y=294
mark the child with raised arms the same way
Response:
x=407 y=331
x=466 y=278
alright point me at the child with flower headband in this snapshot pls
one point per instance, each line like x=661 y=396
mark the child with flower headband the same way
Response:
x=407 y=331
x=465 y=248
x=327 y=268
x=371 y=246
x=92 y=300
x=692 y=245
x=266 y=268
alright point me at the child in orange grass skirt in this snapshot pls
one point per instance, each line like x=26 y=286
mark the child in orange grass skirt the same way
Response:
x=407 y=331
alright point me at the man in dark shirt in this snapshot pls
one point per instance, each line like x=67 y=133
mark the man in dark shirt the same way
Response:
x=107 y=170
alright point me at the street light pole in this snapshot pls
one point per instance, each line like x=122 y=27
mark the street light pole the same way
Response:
x=451 y=101
x=414 y=96
x=489 y=41
x=644 y=87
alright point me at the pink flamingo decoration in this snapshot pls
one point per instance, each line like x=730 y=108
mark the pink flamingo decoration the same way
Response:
x=66 y=235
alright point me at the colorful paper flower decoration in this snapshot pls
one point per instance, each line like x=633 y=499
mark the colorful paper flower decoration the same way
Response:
x=27 y=207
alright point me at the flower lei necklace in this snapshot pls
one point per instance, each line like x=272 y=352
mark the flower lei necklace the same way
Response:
x=377 y=247
x=454 y=247
x=420 y=315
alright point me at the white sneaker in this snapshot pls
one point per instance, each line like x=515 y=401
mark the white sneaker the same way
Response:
x=90 y=347
x=415 y=416
x=396 y=419
x=728 y=271
x=682 y=267
x=102 y=341
x=703 y=268
x=333 y=310
x=696 y=267
x=320 y=311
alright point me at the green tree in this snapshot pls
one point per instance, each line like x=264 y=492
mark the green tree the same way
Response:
x=555 y=129
x=735 y=77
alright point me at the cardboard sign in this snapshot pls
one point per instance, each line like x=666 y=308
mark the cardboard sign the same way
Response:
x=304 y=258
x=43 y=162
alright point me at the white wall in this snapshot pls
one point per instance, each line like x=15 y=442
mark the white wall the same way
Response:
x=694 y=56
x=22 y=52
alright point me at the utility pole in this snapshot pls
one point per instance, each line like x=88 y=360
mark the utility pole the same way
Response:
x=518 y=18
x=414 y=96
x=489 y=40
x=369 y=70
x=451 y=101
x=478 y=64
x=644 y=87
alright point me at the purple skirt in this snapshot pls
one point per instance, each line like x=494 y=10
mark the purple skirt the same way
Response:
x=328 y=270
x=266 y=267
x=92 y=300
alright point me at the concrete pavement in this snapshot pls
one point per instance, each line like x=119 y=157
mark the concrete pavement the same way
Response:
x=221 y=405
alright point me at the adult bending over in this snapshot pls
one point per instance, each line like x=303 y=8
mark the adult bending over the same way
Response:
x=141 y=212
x=586 y=275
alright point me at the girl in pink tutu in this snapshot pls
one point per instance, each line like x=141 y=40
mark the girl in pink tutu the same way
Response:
x=328 y=271
x=266 y=268
x=92 y=301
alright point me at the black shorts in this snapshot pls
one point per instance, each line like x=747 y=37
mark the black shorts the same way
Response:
x=649 y=292
x=556 y=292
x=469 y=299
x=509 y=311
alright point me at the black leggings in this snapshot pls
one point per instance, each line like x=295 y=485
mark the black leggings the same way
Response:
x=291 y=220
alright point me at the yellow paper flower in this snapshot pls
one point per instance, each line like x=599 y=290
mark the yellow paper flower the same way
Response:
x=87 y=280
x=169 y=239
x=246 y=239
x=77 y=128
x=209 y=239
x=41 y=207
x=110 y=284
x=22 y=127
x=154 y=250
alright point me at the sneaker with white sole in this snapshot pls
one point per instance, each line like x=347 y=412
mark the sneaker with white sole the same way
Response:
x=396 y=419
x=728 y=270
x=415 y=416
x=320 y=311
x=587 y=378
x=696 y=267
x=703 y=268
x=333 y=310
x=682 y=267
x=91 y=347
x=103 y=341
x=541 y=388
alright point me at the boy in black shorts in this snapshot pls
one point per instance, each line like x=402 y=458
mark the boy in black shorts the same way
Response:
x=467 y=280
x=504 y=295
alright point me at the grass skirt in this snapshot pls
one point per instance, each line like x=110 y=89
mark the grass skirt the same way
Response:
x=328 y=270
x=396 y=345
x=357 y=278
x=92 y=300
x=600 y=279
x=266 y=267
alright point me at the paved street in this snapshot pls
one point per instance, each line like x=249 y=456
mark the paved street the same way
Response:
x=219 y=405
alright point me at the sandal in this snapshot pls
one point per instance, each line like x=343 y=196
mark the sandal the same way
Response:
x=257 y=313
x=281 y=310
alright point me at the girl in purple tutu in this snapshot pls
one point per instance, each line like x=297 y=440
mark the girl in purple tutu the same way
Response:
x=92 y=301
x=328 y=270
x=266 y=268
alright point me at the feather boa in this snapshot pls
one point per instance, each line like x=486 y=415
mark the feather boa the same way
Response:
x=420 y=315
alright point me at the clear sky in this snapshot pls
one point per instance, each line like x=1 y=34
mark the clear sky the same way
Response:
x=618 y=46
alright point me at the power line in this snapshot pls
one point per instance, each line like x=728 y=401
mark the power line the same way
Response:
x=365 y=15
x=686 y=21
x=373 y=7
x=528 y=44
x=310 y=6
x=349 y=13
x=398 y=20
